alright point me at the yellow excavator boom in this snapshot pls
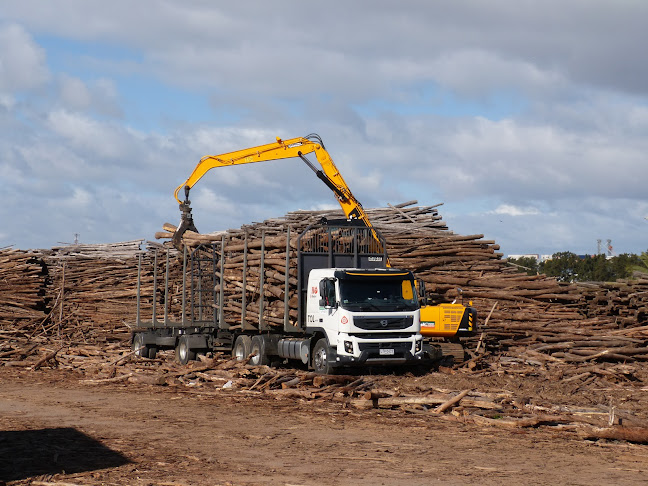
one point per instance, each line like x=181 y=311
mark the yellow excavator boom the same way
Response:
x=281 y=149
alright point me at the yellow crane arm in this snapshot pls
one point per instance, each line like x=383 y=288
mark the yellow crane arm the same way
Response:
x=284 y=149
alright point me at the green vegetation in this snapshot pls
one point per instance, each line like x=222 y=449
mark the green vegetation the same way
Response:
x=569 y=267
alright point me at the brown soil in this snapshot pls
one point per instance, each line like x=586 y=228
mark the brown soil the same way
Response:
x=56 y=430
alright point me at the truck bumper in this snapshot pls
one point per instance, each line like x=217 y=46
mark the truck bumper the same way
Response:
x=367 y=358
x=376 y=353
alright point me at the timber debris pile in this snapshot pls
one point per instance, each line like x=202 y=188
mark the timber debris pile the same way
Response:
x=68 y=307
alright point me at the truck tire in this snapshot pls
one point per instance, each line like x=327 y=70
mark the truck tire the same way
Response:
x=241 y=349
x=138 y=346
x=321 y=356
x=151 y=352
x=258 y=349
x=183 y=351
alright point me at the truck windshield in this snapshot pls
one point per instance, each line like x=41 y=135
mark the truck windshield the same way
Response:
x=378 y=294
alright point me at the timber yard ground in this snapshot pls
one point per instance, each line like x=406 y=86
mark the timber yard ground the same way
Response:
x=102 y=423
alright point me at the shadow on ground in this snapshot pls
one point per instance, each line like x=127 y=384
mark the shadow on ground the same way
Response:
x=28 y=453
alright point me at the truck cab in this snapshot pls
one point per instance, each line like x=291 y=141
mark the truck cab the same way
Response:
x=362 y=316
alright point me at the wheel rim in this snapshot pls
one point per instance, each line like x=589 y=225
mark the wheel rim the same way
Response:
x=256 y=358
x=182 y=350
x=239 y=351
x=320 y=359
x=138 y=342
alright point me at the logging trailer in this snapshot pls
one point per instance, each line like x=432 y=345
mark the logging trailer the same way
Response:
x=349 y=309
x=324 y=335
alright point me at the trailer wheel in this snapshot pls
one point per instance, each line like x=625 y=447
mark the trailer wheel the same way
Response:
x=138 y=346
x=321 y=355
x=241 y=349
x=152 y=352
x=183 y=352
x=257 y=348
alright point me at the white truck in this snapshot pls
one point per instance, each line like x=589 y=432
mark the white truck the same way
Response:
x=350 y=309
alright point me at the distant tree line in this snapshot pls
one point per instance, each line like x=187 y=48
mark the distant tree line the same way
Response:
x=569 y=267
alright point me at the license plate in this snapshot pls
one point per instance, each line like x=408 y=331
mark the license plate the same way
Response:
x=386 y=352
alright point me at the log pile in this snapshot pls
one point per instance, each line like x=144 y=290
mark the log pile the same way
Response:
x=94 y=289
x=23 y=278
x=87 y=292
x=253 y=300
x=626 y=301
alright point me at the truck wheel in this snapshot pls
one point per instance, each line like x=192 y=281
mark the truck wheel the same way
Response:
x=241 y=349
x=321 y=355
x=141 y=350
x=183 y=352
x=257 y=348
x=152 y=352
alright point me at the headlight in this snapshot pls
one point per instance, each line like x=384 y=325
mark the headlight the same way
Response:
x=348 y=347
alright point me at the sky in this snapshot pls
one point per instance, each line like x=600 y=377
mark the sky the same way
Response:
x=527 y=119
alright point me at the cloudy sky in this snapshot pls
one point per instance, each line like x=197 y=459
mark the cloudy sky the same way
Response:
x=528 y=120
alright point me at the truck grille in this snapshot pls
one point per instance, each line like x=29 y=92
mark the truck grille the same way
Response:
x=383 y=323
x=398 y=347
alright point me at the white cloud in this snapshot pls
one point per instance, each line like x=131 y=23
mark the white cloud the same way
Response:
x=74 y=93
x=99 y=96
x=22 y=61
x=510 y=210
x=97 y=138
x=479 y=72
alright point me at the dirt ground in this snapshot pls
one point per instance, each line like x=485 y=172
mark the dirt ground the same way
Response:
x=57 y=430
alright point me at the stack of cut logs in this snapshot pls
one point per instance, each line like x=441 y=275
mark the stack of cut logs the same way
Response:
x=22 y=287
x=95 y=288
x=625 y=300
x=88 y=292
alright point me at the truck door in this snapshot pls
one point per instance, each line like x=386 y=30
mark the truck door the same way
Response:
x=322 y=303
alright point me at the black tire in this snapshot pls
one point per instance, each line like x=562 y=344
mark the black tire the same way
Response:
x=152 y=352
x=183 y=351
x=138 y=346
x=241 y=349
x=321 y=358
x=257 y=348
